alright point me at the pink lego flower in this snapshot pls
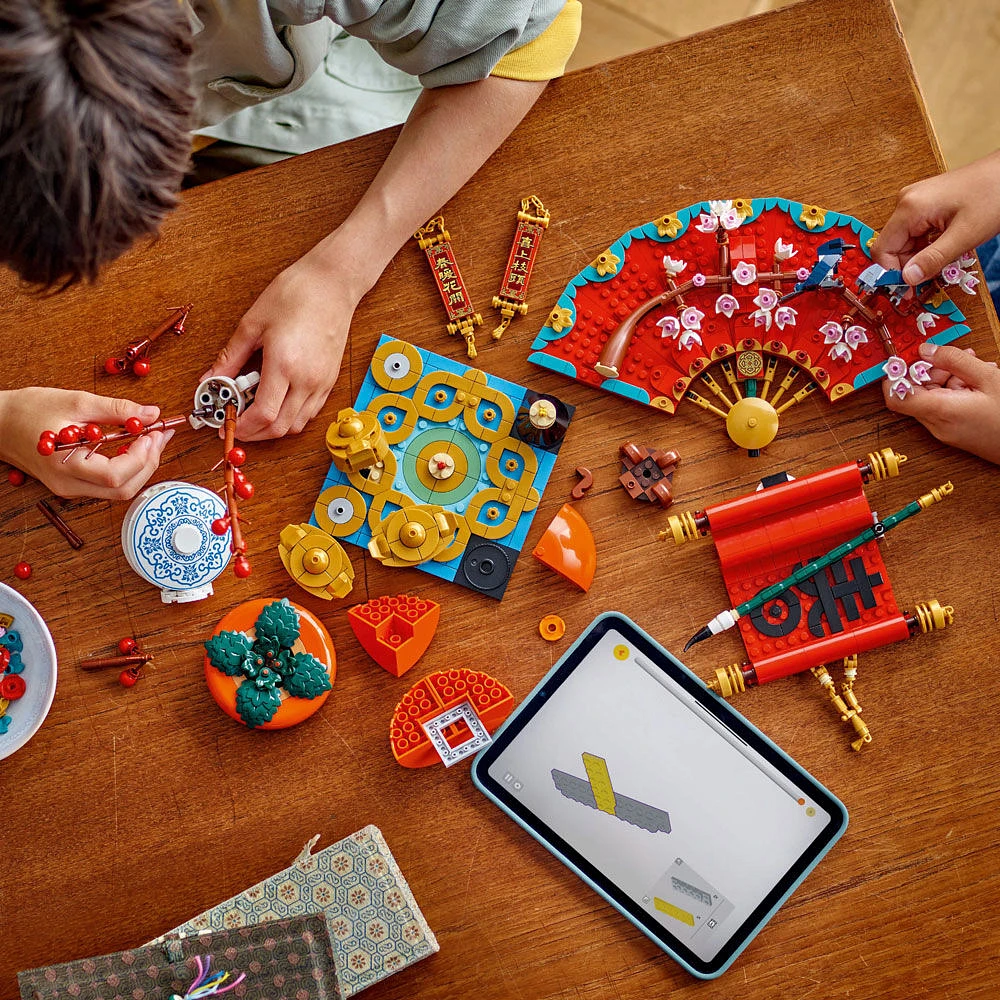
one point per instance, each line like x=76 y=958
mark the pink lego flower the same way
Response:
x=744 y=273
x=726 y=304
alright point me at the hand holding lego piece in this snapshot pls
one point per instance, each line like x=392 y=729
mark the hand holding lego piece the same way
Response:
x=961 y=404
x=25 y=414
x=963 y=206
x=300 y=322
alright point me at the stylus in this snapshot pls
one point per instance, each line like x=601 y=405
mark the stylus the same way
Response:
x=727 y=619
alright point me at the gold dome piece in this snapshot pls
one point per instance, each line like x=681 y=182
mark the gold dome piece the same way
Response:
x=356 y=440
x=316 y=561
x=413 y=535
x=752 y=423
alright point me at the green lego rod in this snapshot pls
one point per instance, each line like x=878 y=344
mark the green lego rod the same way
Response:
x=727 y=619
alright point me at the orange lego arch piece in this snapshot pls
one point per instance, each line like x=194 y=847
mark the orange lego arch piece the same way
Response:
x=567 y=546
x=436 y=693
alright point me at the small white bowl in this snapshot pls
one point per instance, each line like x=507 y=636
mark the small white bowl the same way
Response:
x=28 y=712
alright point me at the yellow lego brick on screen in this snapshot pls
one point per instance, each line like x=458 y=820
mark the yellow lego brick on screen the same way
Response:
x=673 y=911
x=600 y=782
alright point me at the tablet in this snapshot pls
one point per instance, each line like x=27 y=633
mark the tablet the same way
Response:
x=683 y=815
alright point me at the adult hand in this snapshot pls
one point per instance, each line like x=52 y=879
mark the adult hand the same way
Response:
x=961 y=404
x=25 y=413
x=963 y=206
x=300 y=322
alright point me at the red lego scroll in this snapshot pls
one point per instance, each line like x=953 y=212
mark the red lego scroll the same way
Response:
x=847 y=608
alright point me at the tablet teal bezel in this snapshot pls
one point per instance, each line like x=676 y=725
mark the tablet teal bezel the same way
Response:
x=507 y=733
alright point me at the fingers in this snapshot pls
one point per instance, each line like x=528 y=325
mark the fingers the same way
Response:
x=236 y=353
x=116 y=478
x=106 y=410
x=950 y=245
x=960 y=365
x=260 y=421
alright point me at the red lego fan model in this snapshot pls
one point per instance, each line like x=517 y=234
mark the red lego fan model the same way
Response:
x=745 y=307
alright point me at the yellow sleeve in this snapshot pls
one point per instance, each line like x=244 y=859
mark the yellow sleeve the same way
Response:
x=546 y=56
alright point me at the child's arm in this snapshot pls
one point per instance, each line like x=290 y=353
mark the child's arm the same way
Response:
x=963 y=206
x=302 y=319
x=25 y=413
x=961 y=405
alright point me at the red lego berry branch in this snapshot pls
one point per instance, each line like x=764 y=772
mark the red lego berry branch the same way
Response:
x=136 y=356
x=237 y=486
x=72 y=436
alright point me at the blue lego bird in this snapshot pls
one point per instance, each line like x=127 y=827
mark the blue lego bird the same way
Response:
x=874 y=277
x=824 y=271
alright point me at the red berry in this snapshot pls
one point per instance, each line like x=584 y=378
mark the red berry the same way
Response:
x=236 y=456
x=127 y=678
x=141 y=367
x=127 y=646
x=122 y=449
x=47 y=436
x=93 y=432
x=70 y=434
x=134 y=425
x=15 y=477
x=241 y=567
x=114 y=366
x=22 y=570
x=45 y=446
x=239 y=476
x=244 y=490
x=220 y=525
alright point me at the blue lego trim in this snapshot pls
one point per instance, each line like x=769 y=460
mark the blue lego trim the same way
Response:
x=553 y=364
x=868 y=376
x=547 y=334
x=650 y=231
x=624 y=389
x=952 y=333
x=832 y=218
x=618 y=248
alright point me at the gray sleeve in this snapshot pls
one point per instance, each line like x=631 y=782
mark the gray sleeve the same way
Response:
x=444 y=41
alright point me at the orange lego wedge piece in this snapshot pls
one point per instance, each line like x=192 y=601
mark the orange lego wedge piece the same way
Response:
x=395 y=631
x=567 y=546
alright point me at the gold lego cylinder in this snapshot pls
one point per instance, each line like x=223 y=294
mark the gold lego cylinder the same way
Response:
x=681 y=527
x=885 y=463
x=931 y=615
x=728 y=681
x=936 y=495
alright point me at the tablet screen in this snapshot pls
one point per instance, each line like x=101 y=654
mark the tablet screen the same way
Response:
x=661 y=794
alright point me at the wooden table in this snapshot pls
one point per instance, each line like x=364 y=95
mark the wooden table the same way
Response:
x=132 y=810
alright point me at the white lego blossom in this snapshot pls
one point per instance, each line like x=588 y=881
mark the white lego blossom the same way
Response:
x=783 y=251
x=673 y=267
x=926 y=321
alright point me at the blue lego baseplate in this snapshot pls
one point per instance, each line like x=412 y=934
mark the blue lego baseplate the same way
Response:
x=429 y=405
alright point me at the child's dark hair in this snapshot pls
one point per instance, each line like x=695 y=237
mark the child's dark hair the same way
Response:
x=94 y=130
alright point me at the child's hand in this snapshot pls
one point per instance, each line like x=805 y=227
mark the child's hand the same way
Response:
x=962 y=205
x=25 y=413
x=961 y=404
x=300 y=321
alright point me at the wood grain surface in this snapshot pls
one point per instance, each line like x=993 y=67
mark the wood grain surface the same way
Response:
x=133 y=810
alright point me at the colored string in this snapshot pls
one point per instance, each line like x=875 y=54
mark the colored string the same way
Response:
x=206 y=985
